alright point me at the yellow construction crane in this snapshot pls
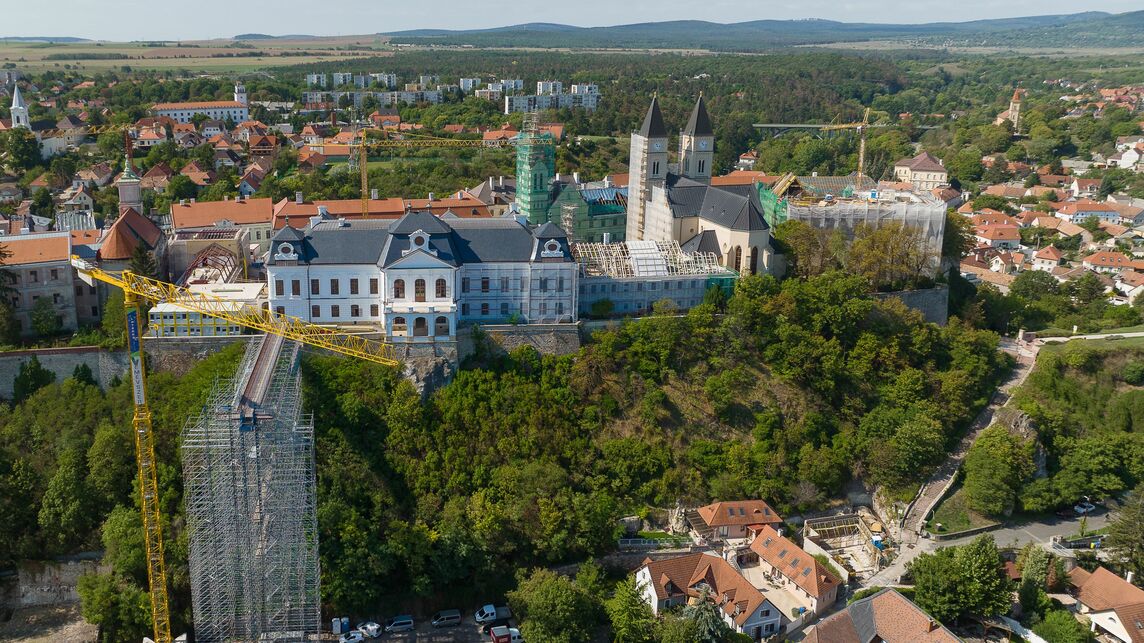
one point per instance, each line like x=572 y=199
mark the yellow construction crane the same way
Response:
x=137 y=287
x=861 y=126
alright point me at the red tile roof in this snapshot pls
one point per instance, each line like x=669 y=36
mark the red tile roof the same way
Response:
x=739 y=512
x=1102 y=590
x=35 y=248
x=1049 y=253
x=1106 y=259
x=886 y=616
x=684 y=574
x=998 y=232
x=128 y=231
x=208 y=104
x=203 y=214
x=794 y=563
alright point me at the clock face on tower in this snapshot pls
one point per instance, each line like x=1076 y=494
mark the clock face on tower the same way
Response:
x=657 y=146
x=702 y=145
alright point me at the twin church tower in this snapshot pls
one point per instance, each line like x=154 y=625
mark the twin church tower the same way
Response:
x=648 y=164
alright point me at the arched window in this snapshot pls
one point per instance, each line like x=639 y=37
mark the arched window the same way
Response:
x=399 y=327
x=399 y=289
x=754 y=264
x=738 y=262
x=442 y=289
x=441 y=326
x=419 y=290
x=420 y=327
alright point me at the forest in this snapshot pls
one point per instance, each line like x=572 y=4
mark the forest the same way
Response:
x=783 y=391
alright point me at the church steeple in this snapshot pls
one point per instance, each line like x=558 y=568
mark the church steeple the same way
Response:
x=129 y=186
x=653 y=121
x=697 y=144
x=19 y=109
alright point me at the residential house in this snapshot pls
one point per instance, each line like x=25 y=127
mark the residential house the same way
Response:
x=1085 y=187
x=197 y=174
x=249 y=183
x=677 y=581
x=951 y=197
x=1114 y=606
x=1079 y=211
x=255 y=215
x=95 y=176
x=886 y=616
x=1047 y=258
x=1130 y=284
x=789 y=566
x=733 y=520
x=75 y=199
x=747 y=160
x=924 y=171
x=998 y=236
x=1107 y=261
x=157 y=178
x=1063 y=228
x=1009 y=263
x=263 y=145
x=10 y=193
x=1007 y=191
x=212 y=128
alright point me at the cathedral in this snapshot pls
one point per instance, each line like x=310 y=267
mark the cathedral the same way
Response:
x=676 y=202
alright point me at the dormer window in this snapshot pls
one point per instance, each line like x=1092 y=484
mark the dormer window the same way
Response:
x=419 y=241
x=286 y=252
x=551 y=249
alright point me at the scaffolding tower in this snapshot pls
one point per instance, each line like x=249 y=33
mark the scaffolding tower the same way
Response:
x=248 y=466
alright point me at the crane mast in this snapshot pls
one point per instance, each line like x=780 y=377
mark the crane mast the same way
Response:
x=137 y=288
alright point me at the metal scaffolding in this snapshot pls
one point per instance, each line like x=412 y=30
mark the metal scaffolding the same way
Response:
x=248 y=466
x=643 y=259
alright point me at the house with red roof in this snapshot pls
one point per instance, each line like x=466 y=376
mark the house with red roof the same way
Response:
x=885 y=616
x=734 y=520
x=924 y=171
x=1047 y=258
x=998 y=236
x=1114 y=606
x=680 y=580
x=790 y=567
x=1107 y=261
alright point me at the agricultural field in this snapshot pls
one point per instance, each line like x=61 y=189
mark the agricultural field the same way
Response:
x=207 y=56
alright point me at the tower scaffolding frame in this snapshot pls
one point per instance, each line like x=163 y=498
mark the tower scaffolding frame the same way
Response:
x=251 y=508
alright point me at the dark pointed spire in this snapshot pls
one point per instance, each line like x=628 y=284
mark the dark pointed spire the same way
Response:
x=700 y=123
x=653 y=122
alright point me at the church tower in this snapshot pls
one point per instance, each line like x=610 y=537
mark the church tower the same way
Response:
x=130 y=190
x=240 y=94
x=535 y=167
x=697 y=145
x=19 y=109
x=1015 y=109
x=647 y=167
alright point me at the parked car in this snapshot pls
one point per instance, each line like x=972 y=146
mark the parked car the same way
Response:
x=487 y=628
x=370 y=629
x=355 y=636
x=447 y=618
x=505 y=634
x=403 y=623
x=490 y=613
x=1084 y=508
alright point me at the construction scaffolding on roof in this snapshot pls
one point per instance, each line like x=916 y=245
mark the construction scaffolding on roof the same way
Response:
x=643 y=259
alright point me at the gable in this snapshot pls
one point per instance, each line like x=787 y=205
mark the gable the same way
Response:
x=418 y=259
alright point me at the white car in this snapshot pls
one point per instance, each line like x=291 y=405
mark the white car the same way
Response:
x=486 y=614
x=352 y=637
x=1084 y=508
x=370 y=629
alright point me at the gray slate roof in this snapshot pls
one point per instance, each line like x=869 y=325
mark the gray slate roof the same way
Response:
x=456 y=241
x=732 y=206
x=705 y=241
x=700 y=123
x=653 y=123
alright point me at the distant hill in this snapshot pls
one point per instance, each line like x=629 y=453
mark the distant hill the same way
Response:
x=263 y=36
x=755 y=35
x=42 y=39
x=1099 y=30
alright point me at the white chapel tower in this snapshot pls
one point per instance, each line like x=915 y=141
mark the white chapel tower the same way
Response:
x=647 y=166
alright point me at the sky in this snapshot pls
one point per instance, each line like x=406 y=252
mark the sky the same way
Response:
x=202 y=19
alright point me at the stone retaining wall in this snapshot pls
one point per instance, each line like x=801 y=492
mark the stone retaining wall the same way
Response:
x=104 y=365
x=932 y=303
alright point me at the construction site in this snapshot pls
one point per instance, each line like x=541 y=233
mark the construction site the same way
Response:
x=856 y=543
x=633 y=275
x=248 y=467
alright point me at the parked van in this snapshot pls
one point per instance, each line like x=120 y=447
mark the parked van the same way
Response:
x=503 y=634
x=447 y=618
x=403 y=623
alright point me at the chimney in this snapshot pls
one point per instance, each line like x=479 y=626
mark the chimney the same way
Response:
x=502 y=181
x=240 y=198
x=373 y=194
x=608 y=181
x=557 y=177
x=491 y=184
x=933 y=625
x=226 y=197
x=182 y=201
x=298 y=197
x=1129 y=576
x=342 y=223
x=431 y=197
x=576 y=178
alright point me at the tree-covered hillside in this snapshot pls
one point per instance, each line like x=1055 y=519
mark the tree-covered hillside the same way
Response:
x=784 y=392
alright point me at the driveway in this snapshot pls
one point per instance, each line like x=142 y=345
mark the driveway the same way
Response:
x=466 y=632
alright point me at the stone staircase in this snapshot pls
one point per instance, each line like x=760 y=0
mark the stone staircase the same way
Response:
x=696 y=524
